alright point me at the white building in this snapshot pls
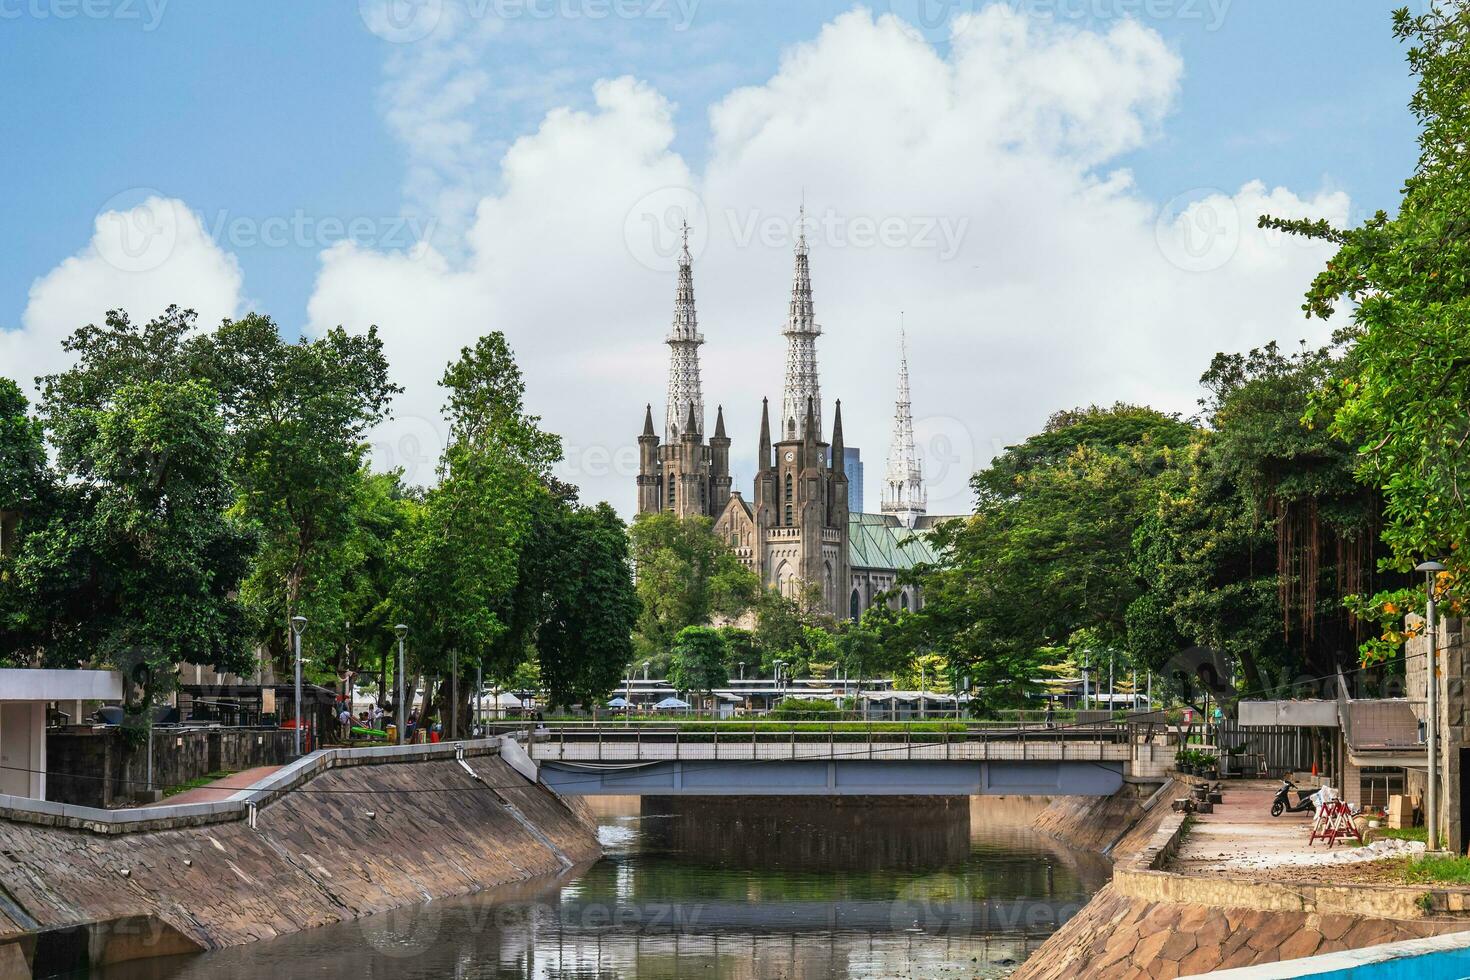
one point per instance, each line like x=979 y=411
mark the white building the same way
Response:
x=24 y=695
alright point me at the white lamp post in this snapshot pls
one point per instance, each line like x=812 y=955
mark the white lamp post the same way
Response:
x=401 y=631
x=298 y=626
x=1431 y=794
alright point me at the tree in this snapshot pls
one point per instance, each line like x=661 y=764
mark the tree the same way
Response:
x=1049 y=549
x=686 y=576
x=587 y=637
x=25 y=495
x=465 y=547
x=138 y=564
x=298 y=414
x=697 y=662
x=1406 y=404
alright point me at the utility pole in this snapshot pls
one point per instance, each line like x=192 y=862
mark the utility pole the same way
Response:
x=454 y=693
x=401 y=630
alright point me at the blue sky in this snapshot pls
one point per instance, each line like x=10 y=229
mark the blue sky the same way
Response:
x=266 y=107
x=296 y=112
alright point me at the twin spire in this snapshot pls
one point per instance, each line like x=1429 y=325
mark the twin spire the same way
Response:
x=903 y=481
x=685 y=412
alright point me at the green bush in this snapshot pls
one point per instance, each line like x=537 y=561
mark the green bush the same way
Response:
x=802 y=709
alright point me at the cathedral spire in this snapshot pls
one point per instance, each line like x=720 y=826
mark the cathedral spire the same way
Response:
x=686 y=395
x=720 y=422
x=903 y=482
x=838 y=448
x=801 y=334
x=765 y=449
x=648 y=421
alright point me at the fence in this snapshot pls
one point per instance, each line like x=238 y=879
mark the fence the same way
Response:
x=1268 y=750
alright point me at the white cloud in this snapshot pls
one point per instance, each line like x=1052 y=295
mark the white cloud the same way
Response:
x=978 y=192
x=140 y=259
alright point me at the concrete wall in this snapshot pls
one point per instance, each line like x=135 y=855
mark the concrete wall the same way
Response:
x=23 y=748
x=1454 y=722
x=346 y=842
x=101 y=767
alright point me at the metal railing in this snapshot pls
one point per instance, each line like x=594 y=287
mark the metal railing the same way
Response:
x=773 y=740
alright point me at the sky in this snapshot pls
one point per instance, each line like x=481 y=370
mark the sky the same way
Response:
x=1057 y=198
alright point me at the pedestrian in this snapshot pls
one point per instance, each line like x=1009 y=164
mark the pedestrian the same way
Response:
x=344 y=718
x=1050 y=715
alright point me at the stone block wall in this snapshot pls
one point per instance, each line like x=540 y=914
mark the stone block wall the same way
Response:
x=100 y=767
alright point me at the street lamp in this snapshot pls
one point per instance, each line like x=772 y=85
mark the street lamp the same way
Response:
x=1431 y=795
x=298 y=626
x=742 y=670
x=401 y=631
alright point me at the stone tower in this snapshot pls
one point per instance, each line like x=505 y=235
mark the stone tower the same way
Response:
x=683 y=474
x=801 y=332
x=793 y=533
x=903 y=481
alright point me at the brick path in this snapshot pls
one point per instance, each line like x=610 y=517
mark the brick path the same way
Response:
x=219 y=789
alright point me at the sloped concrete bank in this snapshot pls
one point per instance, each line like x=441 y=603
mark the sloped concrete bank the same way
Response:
x=1150 y=922
x=328 y=842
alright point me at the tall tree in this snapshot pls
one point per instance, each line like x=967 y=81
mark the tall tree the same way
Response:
x=686 y=576
x=1406 y=405
x=138 y=565
x=587 y=637
x=299 y=414
x=697 y=661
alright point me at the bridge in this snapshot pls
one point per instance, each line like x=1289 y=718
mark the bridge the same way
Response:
x=772 y=759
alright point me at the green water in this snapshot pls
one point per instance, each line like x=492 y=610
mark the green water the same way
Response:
x=726 y=890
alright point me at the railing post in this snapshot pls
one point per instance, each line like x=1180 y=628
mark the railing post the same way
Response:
x=793 y=742
x=599 y=744
x=717 y=741
x=561 y=743
x=638 y=743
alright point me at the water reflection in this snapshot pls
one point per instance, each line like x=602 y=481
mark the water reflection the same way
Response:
x=726 y=889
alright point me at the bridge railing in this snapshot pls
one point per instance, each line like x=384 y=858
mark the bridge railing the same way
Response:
x=774 y=739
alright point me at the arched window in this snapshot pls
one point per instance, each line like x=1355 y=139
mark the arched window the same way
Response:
x=854 y=606
x=903 y=601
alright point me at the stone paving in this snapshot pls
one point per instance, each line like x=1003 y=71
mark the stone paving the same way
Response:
x=220 y=789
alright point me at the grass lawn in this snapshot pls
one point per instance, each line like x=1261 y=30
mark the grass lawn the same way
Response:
x=1443 y=870
x=197 y=782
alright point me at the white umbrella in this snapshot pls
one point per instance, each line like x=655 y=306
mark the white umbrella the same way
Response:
x=672 y=703
x=618 y=703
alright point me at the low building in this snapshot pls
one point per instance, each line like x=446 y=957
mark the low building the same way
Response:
x=24 y=697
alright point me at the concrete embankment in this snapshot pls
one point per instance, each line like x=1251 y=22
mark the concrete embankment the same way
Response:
x=1153 y=922
x=337 y=842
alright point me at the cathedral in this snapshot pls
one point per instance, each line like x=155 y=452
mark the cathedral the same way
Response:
x=796 y=531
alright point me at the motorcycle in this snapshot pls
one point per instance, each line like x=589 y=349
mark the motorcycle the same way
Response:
x=1282 y=803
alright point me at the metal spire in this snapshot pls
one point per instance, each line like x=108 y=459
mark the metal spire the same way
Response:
x=801 y=334
x=686 y=395
x=903 y=482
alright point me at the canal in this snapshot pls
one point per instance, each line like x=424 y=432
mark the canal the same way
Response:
x=753 y=888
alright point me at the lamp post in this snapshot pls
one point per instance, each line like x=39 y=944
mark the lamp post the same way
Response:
x=1431 y=793
x=298 y=626
x=742 y=670
x=401 y=631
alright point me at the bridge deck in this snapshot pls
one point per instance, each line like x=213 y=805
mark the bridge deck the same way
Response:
x=619 y=750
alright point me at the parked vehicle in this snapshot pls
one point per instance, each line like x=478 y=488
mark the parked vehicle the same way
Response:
x=1282 y=803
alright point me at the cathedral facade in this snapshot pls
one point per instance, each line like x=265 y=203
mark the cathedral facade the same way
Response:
x=795 y=531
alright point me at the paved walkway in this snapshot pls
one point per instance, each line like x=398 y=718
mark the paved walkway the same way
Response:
x=219 y=789
x=1241 y=833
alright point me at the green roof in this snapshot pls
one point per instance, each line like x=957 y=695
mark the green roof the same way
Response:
x=875 y=541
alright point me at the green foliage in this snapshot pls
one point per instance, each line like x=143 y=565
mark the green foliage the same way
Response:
x=697 y=661
x=804 y=709
x=135 y=563
x=587 y=636
x=1405 y=406
x=686 y=576
x=1049 y=550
